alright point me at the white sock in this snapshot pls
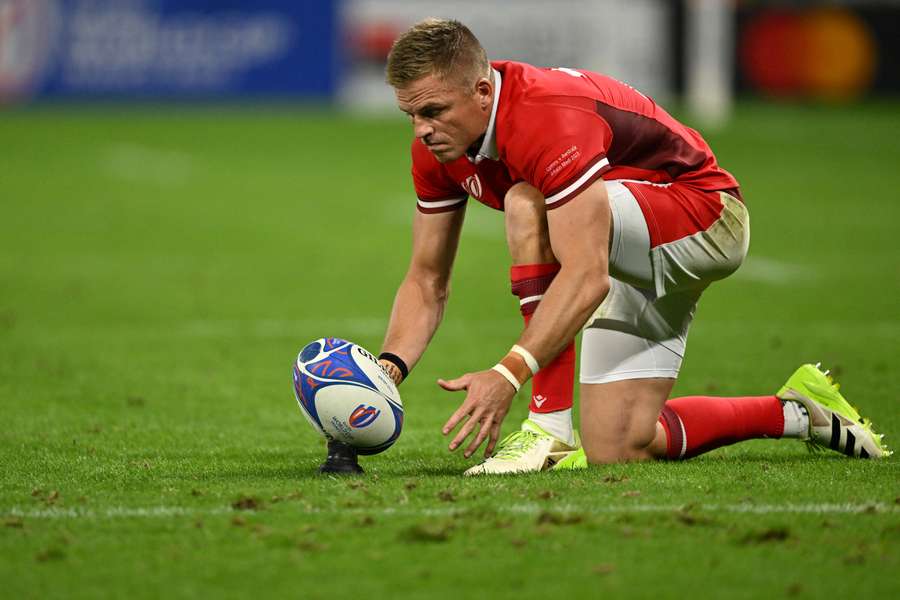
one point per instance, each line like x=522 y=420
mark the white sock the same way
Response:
x=796 y=420
x=557 y=423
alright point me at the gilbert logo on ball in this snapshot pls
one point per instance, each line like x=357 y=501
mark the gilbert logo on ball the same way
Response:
x=347 y=396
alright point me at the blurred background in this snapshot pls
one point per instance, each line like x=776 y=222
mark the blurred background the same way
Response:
x=701 y=51
x=178 y=175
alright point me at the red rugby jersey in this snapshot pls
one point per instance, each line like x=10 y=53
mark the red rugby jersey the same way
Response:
x=560 y=130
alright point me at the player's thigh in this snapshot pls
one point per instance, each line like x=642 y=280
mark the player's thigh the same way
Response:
x=629 y=242
x=619 y=418
x=527 y=232
x=696 y=237
x=631 y=355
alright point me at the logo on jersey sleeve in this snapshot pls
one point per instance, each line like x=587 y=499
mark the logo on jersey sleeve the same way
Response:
x=472 y=185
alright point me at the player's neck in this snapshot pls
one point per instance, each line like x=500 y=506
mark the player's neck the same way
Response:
x=473 y=150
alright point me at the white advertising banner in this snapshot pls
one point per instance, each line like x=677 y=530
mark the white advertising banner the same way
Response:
x=627 y=39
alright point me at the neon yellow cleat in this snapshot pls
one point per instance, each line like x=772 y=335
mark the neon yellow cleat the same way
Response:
x=833 y=423
x=531 y=449
x=574 y=461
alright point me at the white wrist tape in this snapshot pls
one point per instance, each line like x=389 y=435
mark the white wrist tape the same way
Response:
x=508 y=375
x=529 y=358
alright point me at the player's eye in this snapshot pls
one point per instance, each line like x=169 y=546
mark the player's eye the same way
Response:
x=432 y=112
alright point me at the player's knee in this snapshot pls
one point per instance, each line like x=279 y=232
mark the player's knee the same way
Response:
x=615 y=453
x=526 y=224
x=627 y=444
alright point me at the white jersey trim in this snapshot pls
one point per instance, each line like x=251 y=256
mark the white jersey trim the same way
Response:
x=577 y=183
x=441 y=203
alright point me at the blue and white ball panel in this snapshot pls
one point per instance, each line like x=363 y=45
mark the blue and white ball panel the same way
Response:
x=364 y=418
x=345 y=395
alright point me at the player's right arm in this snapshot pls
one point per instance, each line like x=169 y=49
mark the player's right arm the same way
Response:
x=422 y=296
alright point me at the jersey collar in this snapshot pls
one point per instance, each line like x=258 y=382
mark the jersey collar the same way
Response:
x=488 y=149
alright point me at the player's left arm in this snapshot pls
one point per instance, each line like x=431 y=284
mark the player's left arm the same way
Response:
x=579 y=235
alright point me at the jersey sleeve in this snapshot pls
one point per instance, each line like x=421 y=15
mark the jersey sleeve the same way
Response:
x=435 y=189
x=559 y=146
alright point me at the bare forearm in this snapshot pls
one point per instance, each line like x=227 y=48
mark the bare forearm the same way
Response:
x=566 y=306
x=417 y=312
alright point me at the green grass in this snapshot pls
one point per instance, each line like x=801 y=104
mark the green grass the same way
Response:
x=159 y=270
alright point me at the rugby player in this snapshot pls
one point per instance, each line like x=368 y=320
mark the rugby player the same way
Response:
x=617 y=218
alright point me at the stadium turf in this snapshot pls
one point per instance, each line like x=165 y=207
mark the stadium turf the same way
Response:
x=160 y=269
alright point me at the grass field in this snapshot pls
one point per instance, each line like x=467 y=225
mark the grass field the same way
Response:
x=160 y=269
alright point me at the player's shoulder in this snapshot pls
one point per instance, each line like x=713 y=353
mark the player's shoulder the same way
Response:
x=539 y=105
x=530 y=94
x=526 y=86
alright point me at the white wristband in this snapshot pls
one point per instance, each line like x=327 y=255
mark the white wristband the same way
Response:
x=508 y=375
x=529 y=358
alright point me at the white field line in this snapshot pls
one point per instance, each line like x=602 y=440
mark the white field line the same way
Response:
x=137 y=163
x=523 y=509
x=760 y=269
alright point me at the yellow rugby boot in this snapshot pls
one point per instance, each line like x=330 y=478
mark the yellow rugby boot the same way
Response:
x=833 y=422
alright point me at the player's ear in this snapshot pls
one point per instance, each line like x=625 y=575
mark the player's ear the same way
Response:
x=485 y=91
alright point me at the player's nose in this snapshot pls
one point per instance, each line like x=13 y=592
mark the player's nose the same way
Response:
x=421 y=128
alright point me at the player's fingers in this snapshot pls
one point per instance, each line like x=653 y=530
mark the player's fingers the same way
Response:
x=479 y=439
x=495 y=435
x=464 y=409
x=455 y=385
x=465 y=431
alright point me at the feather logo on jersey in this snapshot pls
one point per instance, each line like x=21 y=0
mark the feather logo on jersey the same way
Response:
x=472 y=185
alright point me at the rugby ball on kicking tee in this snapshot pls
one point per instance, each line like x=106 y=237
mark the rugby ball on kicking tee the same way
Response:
x=347 y=396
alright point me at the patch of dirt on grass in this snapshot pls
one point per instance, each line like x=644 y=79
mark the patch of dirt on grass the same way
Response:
x=795 y=589
x=50 y=554
x=553 y=518
x=772 y=534
x=614 y=478
x=428 y=532
x=687 y=516
x=247 y=503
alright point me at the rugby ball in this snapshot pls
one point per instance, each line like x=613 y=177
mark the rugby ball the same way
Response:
x=347 y=396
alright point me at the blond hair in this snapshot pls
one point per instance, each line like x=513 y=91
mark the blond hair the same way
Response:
x=440 y=47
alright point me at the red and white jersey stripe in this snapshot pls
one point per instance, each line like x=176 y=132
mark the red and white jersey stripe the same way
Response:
x=561 y=130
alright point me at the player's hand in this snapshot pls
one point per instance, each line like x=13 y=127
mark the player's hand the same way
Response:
x=488 y=397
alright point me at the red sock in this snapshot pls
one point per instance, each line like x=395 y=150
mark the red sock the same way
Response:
x=552 y=387
x=698 y=424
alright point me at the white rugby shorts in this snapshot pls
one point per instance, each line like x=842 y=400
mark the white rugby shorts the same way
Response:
x=669 y=242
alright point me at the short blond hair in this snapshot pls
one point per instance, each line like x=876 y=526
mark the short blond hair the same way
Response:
x=442 y=47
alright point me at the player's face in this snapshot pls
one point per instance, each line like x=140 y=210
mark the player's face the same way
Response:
x=447 y=117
